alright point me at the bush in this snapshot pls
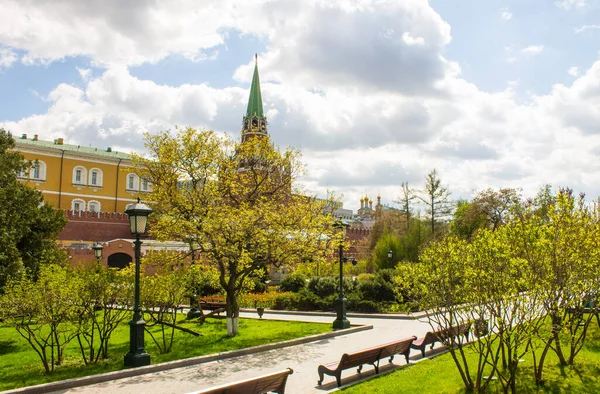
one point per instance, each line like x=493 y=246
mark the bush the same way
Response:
x=293 y=282
x=377 y=288
x=322 y=286
x=259 y=285
x=308 y=301
x=367 y=306
x=286 y=301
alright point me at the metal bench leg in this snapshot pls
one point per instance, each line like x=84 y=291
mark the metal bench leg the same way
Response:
x=338 y=378
x=321 y=375
x=359 y=370
x=391 y=359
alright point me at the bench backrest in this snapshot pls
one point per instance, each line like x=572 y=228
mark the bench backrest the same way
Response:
x=367 y=356
x=274 y=382
x=454 y=331
x=397 y=347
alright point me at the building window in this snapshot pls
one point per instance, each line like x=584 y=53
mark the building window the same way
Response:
x=23 y=174
x=146 y=185
x=94 y=206
x=38 y=171
x=95 y=177
x=79 y=175
x=132 y=182
x=78 y=205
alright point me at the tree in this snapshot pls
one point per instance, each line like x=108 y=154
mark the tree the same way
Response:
x=436 y=199
x=236 y=201
x=467 y=219
x=406 y=197
x=104 y=298
x=29 y=228
x=43 y=311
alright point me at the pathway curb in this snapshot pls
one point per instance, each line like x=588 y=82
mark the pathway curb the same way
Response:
x=126 y=373
x=399 y=316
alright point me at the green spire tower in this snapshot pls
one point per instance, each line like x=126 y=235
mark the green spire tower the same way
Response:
x=254 y=122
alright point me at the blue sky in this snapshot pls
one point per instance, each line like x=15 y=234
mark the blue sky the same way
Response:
x=491 y=93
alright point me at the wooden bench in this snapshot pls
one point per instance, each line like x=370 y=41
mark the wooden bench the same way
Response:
x=440 y=336
x=211 y=306
x=271 y=383
x=366 y=356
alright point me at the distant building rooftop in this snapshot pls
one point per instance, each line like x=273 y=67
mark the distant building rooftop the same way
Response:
x=58 y=144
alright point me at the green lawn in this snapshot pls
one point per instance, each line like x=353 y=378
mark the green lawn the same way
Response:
x=20 y=366
x=439 y=375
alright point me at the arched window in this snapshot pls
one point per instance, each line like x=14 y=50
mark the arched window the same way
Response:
x=133 y=182
x=78 y=205
x=79 y=175
x=95 y=177
x=93 y=206
x=38 y=171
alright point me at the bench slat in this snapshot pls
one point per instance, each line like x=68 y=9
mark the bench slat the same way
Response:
x=366 y=356
x=274 y=382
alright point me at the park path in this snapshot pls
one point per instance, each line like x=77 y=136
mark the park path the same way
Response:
x=303 y=359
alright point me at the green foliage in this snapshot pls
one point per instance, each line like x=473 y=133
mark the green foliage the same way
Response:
x=236 y=203
x=323 y=286
x=380 y=255
x=379 y=287
x=202 y=280
x=439 y=375
x=103 y=305
x=529 y=274
x=436 y=199
x=293 y=282
x=28 y=228
x=18 y=362
x=43 y=311
x=163 y=295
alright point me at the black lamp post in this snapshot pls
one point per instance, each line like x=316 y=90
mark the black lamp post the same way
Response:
x=390 y=255
x=98 y=251
x=137 y=356
x=341 y=321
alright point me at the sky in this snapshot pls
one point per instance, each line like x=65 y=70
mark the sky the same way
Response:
x=494 y=93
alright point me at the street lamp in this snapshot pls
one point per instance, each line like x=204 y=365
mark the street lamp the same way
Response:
x=98 y=251
x=341 y=321
x=137 y=356
x=390 y=255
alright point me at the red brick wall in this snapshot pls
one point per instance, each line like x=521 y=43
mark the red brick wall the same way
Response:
x=358 y=238
x=95 y=226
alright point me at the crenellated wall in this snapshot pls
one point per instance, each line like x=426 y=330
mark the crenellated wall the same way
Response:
x=94 y=226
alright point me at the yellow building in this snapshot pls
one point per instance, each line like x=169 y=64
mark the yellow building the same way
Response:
x=73 y=177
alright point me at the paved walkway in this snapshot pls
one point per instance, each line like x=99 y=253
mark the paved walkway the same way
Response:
x=303 y=359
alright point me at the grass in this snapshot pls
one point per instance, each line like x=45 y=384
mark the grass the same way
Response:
x=439 y=375
x=20 y=366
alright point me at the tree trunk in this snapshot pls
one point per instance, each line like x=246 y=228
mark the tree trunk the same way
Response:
x=233 y=313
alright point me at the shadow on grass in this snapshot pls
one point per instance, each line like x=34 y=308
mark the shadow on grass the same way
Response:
x=9 y=346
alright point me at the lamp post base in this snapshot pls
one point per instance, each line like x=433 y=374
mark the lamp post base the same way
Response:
x=136 y=360
x=137 y=356
x=341 y=322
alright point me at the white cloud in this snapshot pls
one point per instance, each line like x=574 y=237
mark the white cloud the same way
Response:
x=117 y=32
x=533 y=50
x=586 y=27
x=7 y=57
x=568 y=4
x=84 y=73
x=368 y=110
x=506 y=14
x=409 y=39
x=573 y=71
